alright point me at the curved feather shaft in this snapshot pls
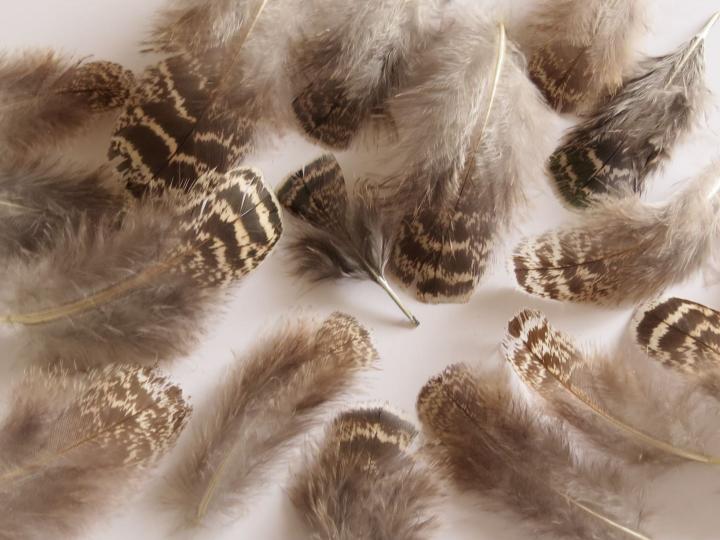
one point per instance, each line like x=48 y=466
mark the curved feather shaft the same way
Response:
x=605 y=519
x=699 y=40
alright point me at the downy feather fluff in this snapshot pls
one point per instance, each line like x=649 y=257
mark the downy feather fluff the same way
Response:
x=622 y=410
x=362 y=482
x=624 y=251
x=580 y=50
x=69 y=447
x=45 y=97
x=198 y=110
x=339 y=235
x=138 y=286
x=349 y=58
x=684 y=336
x=41 y=196
x=490 y=443
x=632 y=134
x=275 y=393
x=469 y=120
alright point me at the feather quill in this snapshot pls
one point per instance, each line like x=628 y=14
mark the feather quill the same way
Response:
x=273 y=395
x=632 y=134
x=69 y=447
x=684 y=336
x=349 y=59
x=198 y=110
x=580 y=50
x=362 y=482
x=139 y=286
x=340 y=236
x=470 y=118
x=490 y=443
x=45 y=97
x=624 y=251
x=615 y=406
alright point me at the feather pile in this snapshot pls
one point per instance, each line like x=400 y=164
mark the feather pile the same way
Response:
x=490 y=443
x=70 y=446
x=274 y=394
x=340 y=236
x=618 y=408
x=684 y=336
x=625 y=251
x=198 y=110
x=137 y=287
x=580 y=50
x=350 y=57
x=469 y=119
x=45 y=97
x=363 y=483
x=632 y=134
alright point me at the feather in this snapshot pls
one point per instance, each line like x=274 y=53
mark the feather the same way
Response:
x=470 y=117
x=39 y=197
x=70 y=448
x=492 y=444
x=685 y=336
x=349 y=59
x=45 y=97
x=340 y=236
x=139 y=286
x=632 y=134
x=198 y=110
x=624 y=251
x=580 y=50
x=362 y=482
x=618 y=408
x=276 y=392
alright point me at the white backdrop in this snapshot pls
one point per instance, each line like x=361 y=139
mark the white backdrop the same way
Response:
x=682 y=504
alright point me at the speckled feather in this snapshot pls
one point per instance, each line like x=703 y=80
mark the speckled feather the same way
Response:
x=275 y=393
x=631 y=135
x=70 y=448
x=624 y=251
x=580 y=50
x=491 y=444
x=361 y=482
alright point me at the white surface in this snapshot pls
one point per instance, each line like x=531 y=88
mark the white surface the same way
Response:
x=682 y=504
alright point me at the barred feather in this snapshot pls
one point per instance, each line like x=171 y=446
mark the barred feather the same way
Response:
x=685 y=336
x=632 y=135
x=362 y=483
x=274 y=394
x=70 y=448
x=470 y=118
x=45 y=97
x=624 y=251
x=580 y=50
x=491 y=444
x=339 y=236
x=138 y=286
x=611 y=403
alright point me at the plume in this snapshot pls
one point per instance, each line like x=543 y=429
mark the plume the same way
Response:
x=198 y=110
x=624 y=251
x=350 y=57
x=139 y=286
x=491 y=444
x=684 y=336
x=46 y=97
x=363 y=483
x=40 y=196
x=580 y=50
x=339 y=236
x=619 y=408
x=276 y=392
x=633 y=133
x=470 y=119
x=71 y=447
